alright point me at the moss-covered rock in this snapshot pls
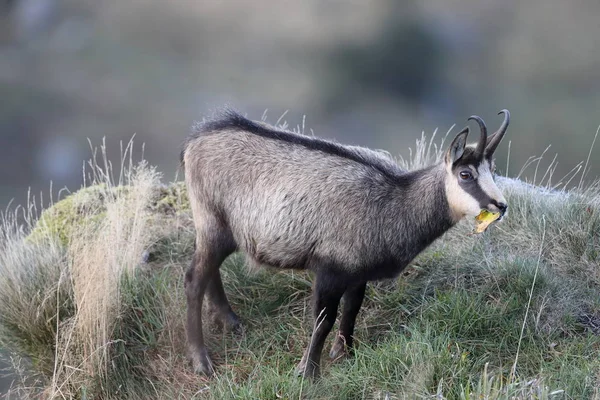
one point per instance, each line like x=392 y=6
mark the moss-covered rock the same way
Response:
x=85 y=205
x=88 y=205
x=171 y=199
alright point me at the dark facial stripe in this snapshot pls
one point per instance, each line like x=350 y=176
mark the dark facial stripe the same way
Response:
x=229 y=119
x=473 y=189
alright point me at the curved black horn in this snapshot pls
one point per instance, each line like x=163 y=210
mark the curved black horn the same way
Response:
x=497 y=136
x=482 y=138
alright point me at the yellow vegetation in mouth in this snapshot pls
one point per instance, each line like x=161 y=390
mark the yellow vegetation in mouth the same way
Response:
x=484 y=219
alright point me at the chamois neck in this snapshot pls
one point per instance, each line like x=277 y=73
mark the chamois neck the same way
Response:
x=428 y=194
x=420 y=209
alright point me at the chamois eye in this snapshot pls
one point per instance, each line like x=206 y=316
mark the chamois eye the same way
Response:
x=466 y=175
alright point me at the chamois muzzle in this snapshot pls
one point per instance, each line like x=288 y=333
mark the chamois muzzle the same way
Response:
x=502 y=207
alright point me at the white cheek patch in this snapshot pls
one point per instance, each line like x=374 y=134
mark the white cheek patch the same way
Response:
x=461 y=203
x=487 y=184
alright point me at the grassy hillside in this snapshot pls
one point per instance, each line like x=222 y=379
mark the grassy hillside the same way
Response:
x=92 y=304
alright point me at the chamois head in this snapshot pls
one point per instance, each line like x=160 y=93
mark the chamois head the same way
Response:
x=470 y=184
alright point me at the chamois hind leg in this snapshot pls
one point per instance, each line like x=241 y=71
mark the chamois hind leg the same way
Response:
x=219 y=306
x=353 y=298
x=212 y=247
x=327 y=292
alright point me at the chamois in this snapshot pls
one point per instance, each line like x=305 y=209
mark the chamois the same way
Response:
x=348 y=214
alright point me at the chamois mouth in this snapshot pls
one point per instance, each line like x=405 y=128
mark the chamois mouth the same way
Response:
x=498 y=207
x=494 y=210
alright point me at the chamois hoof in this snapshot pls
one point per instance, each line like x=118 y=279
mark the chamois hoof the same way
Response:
x=233 y=324
x=201 y=363
x=308 y=370
x=228 y=322
x=339 y=349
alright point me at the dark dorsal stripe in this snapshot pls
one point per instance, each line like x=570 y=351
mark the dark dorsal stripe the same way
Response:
x=228 y=119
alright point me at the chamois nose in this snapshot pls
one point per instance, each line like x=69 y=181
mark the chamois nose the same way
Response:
x=502 y=207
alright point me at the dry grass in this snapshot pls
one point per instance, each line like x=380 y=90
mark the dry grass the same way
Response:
x=101 y=255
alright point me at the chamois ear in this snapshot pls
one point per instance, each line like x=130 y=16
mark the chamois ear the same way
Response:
x=457 y=147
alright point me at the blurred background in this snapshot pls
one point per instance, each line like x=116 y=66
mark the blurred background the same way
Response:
x=374 y=73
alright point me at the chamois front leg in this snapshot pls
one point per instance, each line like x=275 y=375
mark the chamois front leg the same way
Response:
x=327 y=292
x=353 y=299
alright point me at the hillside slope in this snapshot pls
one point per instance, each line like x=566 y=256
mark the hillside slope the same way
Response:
x=92 y=305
